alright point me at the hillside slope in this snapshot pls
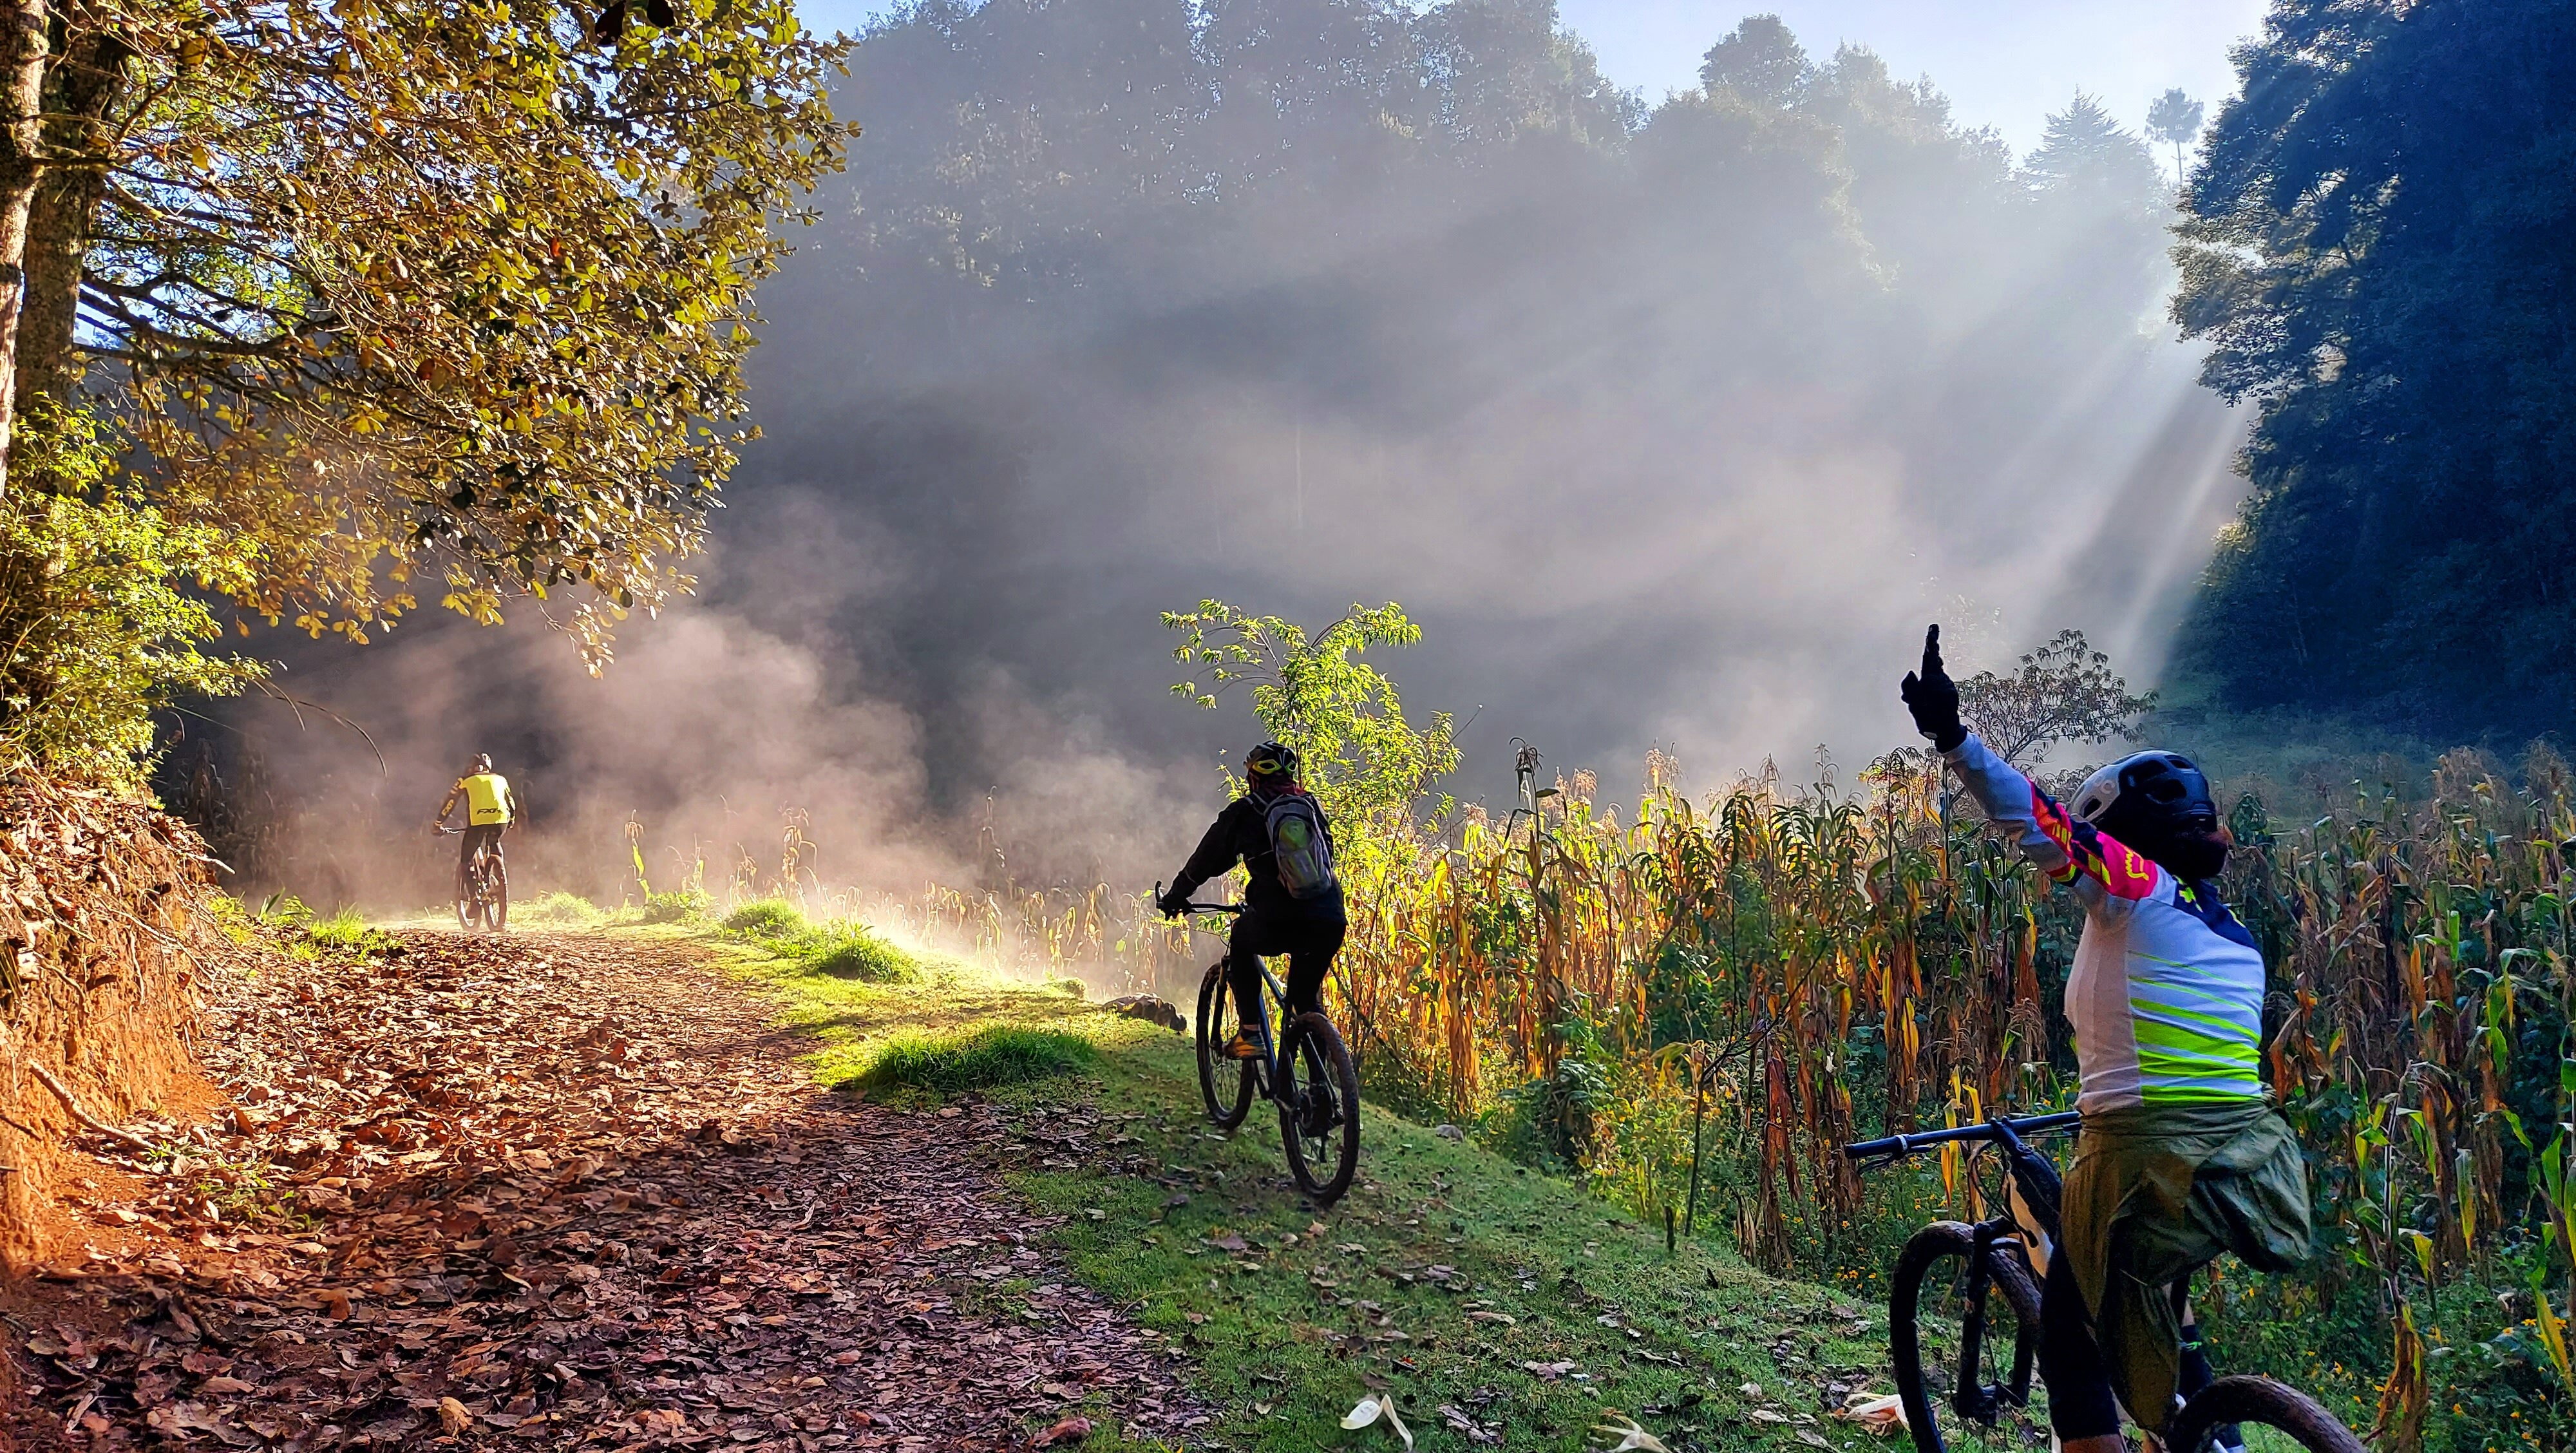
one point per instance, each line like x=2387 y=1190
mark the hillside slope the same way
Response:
x=1494 y=1303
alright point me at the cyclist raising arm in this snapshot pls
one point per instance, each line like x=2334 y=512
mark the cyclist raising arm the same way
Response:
x=490 y=808
x=2181 y=1156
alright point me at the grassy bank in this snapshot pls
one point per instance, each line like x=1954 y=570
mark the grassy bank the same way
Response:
x=1492 y=1302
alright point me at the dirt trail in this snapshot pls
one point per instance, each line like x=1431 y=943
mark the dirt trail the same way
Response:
x=560 y=1190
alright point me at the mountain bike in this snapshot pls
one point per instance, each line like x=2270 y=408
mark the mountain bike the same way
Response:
x=1949 y=1273
x=485 y=904
x=1310 y=1079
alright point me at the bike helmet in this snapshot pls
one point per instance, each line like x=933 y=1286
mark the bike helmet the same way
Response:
x=2147 y=800
x=482 y=762
x=1272 y=759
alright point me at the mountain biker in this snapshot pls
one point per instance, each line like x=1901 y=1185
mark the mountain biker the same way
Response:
x=2181 y=1156
x=490 y=808
x=1297 y=912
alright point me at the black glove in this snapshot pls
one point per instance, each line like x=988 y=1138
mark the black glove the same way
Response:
x=1173 y=904
x=1933 y=697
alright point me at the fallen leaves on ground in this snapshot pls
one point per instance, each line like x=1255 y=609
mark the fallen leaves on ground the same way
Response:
x=552 y=1192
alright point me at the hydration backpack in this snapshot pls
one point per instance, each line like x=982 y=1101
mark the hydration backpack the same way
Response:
x=1298 y=844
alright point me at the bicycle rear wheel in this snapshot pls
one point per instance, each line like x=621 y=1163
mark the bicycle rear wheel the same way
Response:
x=2272 y=1415
x=1321 y=1121
x=1933 y=1329
x=496 y=896
x=1214 y=1067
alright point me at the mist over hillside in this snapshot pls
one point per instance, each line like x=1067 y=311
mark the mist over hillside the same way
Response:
x=1670 y=426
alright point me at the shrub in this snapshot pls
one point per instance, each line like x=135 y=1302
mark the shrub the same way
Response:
x=101 y=607
x=993 y=1054
x=767 y=918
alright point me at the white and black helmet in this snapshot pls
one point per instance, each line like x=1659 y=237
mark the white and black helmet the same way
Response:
x=2147 y=797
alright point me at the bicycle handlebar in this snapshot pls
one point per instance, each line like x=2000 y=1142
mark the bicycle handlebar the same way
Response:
x=1231 y=908
x=1897 y=1145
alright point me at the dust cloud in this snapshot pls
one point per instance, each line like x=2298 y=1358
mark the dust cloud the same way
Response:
x=1670 y=426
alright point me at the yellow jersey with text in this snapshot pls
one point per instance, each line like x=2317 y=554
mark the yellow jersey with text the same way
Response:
x=487 y=798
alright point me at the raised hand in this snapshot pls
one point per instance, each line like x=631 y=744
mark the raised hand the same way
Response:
x=1933 y=697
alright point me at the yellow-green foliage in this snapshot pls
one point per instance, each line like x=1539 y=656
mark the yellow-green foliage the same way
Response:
x=101 y=616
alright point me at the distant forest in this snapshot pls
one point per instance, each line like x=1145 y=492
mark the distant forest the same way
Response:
x=2382 y=248
x=1304 y=301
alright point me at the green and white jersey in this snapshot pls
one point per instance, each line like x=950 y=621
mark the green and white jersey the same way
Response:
x=2167 y=990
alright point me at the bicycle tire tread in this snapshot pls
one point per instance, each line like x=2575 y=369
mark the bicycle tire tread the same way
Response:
x=2260 y=1400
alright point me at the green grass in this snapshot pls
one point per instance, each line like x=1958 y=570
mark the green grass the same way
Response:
x=1448 y=1274
x=768 y=918
x=850 y=951
x=558 y=910
x=982 y=1058
x=841 y=948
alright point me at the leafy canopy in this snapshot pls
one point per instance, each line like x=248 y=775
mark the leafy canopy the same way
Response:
x=392 y=287
x=1342 y=715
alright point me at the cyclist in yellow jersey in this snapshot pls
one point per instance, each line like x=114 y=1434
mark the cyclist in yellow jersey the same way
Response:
x=490 y=808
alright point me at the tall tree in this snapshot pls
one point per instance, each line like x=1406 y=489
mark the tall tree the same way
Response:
x=2084 y=148
x=2174 y=119
x=2381 y=251
x=386 y=287
x=1759 y=60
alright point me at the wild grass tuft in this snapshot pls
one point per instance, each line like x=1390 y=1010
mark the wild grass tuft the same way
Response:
x=559 y=910
x=848 y=950
x=767 y=918
x=345 y=931
x=980 y=1058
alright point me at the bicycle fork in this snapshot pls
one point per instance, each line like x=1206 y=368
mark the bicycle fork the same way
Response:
x=1981 y=1401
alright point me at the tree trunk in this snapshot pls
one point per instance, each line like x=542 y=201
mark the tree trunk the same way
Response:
x=23 y=50
x=79 y=90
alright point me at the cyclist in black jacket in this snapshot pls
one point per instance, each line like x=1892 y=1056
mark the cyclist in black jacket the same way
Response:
x=1274 y=921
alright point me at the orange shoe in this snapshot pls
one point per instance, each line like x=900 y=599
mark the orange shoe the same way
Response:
x=1242 y=1046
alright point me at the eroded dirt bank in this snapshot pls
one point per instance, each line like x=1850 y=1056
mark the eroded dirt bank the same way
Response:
x=553 y=1191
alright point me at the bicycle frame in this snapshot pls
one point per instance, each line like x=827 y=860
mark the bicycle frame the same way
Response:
x=1273 y=1073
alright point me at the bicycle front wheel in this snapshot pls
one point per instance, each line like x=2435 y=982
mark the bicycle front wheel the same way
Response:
x=2272 y=1416
x=1964 y=1370
x=1321 y=1121
x=1225 y=1084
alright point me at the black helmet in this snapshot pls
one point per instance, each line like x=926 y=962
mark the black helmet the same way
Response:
x=1271 y=759
x=482 y=762
x=2148 y=800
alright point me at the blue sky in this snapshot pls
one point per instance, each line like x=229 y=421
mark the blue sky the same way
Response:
x=2003 y=63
